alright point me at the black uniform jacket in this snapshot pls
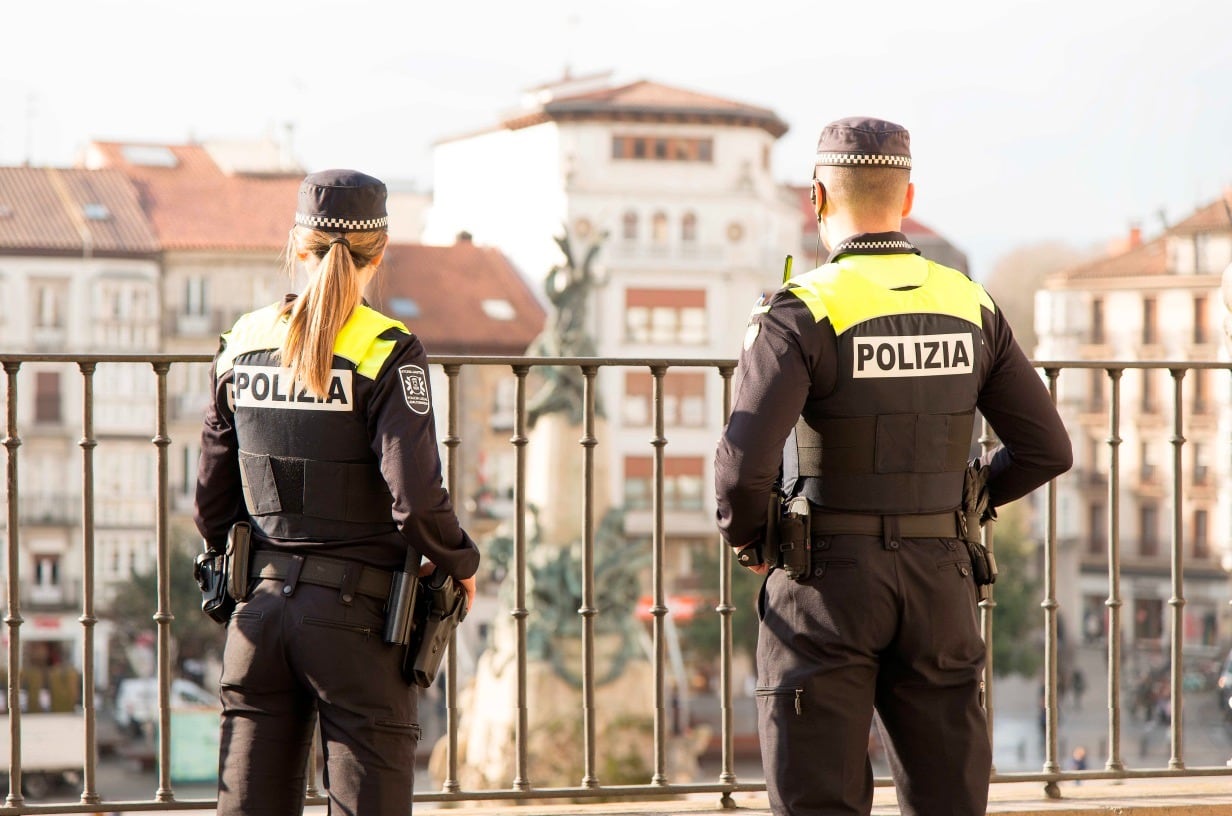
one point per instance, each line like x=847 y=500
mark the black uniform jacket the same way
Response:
x=791 y=358
x=375 y=425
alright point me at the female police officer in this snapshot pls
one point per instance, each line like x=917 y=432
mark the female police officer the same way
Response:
x=320 y=436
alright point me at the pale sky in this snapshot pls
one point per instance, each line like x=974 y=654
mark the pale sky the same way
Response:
x=1030 y=120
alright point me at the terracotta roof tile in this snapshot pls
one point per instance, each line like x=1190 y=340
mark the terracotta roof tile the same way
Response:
x=57 y=210
x=194 y=205
x=651 y=98
x=641 y=101
x=1216 y=216
x=1143 y=260
x=439 y=292
x=646 y=94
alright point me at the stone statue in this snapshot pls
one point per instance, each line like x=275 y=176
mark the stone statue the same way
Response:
x=568 y=288
x=554 y=592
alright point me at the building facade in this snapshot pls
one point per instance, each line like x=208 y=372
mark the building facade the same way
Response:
x=221 y=215
x=678 y=187
x=1155 y=300
x=464 y=299
x=78 y=273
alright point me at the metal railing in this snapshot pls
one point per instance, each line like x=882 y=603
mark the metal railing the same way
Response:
x=590 y=787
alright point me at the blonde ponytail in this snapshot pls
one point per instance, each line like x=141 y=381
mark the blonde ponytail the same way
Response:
x=336 y=265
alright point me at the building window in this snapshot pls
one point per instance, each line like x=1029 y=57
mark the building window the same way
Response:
x=196 y=292
x=1097 y=530
x=192 y=455
x=1097 y=321
x=1201 y=542
x=688 y=227
x=48 y=306
x=46 y=571
x=1097 y=389
x=1201 y=467
x=47 y=397
x=1200 y=329
x=1147 y=469
x=658 y=228
x=1148 y=530
x=1199 y=403
x=1149 y=333
x=628 y=228
x=765 y=158
x=684 y=399
x=666 y=316
x=1149 y=403
x=661 y=148
x=682 y=482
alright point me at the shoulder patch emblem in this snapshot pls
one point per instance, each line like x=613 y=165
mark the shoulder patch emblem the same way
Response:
x=415 y=388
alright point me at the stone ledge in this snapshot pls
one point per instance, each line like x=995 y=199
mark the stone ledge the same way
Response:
x=1191 y=796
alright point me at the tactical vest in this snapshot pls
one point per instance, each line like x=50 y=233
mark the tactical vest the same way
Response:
x=894 y=435
x=307 y=465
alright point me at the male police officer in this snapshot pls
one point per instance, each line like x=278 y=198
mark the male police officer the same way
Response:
x=878 y=360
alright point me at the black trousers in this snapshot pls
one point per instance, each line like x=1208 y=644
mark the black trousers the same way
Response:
x=884 y=624
x=287 y=658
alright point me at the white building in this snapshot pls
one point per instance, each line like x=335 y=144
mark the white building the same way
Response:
x=1154 y=300
x=78 y=273
x=696 y=227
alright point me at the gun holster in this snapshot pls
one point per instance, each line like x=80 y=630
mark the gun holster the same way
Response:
x=983 y=564
x=239 y=548
x=794 y=552
x=439 y=608
x=223 y=576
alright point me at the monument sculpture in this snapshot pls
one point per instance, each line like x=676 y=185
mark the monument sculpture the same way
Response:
x=623 y=677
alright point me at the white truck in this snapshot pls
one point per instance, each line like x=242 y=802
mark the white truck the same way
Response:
x=52 y=752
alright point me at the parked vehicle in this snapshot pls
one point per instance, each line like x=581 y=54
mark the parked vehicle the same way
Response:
x=52 y=751
x=1224 y=686
x=136 y=705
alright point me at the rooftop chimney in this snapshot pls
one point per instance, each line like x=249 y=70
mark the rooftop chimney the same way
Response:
x=464 y=237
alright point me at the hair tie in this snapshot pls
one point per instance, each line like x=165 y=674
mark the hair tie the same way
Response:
x=340 y=240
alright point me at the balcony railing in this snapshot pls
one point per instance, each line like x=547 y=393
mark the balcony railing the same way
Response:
x=590 y=787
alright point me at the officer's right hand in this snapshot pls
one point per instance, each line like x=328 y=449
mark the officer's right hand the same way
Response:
x=760 y=569
x=467 y=584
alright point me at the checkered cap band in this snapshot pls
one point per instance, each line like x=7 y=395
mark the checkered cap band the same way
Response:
x=861 y=159
x=875 y=245
x=321 y=222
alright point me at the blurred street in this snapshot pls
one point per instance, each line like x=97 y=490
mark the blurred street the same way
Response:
x=129 y=774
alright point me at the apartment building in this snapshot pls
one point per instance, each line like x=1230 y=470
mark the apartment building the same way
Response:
x=694 y=228
x=78 y=273
x=1154 y=299
x=464 y=299
x=221 y=216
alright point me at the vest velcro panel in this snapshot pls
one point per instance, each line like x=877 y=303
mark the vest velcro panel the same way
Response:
x=341 y=491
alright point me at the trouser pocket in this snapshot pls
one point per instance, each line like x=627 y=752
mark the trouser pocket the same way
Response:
x=792 y=695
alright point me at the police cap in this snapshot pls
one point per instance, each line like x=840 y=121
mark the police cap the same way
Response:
x=341 y=201
x=861 y=141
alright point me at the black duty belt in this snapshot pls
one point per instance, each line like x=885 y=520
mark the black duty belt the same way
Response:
x=323 y=571
x=928 y=525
